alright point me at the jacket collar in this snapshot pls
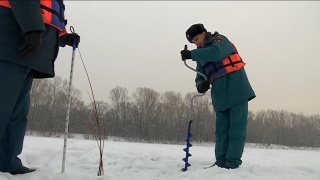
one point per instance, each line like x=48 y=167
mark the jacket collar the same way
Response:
x=209 y=38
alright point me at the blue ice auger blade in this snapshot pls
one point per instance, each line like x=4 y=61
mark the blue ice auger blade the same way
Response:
x=187 y=151
x=186 y=167
x=188 y=144
x=186 y=158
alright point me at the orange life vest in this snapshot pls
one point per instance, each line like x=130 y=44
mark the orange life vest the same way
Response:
x=52 y=13
x=230 y=64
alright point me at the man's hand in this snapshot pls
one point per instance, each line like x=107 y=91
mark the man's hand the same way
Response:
x=72 y=38
x=31 y=44
x=203 y=87
x=185 y=54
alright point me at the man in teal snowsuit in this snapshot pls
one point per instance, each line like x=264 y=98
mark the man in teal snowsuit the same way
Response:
x=28 y=49
x=219 y=60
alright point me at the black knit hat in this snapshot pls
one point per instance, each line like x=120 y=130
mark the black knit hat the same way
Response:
x=194 y=30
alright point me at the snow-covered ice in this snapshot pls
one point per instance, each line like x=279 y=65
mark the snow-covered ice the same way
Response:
x=144 y=161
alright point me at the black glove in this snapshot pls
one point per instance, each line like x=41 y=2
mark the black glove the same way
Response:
x=203 y=87
x=70 y=38
x=185 y=54
x=31 y=44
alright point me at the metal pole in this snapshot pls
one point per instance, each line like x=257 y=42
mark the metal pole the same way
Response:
x=69 y=104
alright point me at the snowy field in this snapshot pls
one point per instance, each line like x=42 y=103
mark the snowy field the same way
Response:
x=140 y=161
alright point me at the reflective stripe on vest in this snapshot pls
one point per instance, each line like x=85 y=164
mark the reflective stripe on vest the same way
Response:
x=230 y=64
x=52 y=12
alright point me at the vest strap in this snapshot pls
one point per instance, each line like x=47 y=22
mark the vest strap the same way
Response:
x=59 y=15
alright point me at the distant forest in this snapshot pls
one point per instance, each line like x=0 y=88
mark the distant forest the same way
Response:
x=146 y=115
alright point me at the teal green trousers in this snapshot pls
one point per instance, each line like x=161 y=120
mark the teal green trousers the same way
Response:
x=231 y=135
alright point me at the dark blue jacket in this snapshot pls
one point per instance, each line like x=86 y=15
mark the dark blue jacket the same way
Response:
x=25 y=16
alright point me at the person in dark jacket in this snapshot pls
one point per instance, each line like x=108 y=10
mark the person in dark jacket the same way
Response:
x=218 y=59
x=31 y=33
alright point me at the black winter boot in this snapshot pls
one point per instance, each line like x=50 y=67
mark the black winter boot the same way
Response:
x=22 y=170
x=234 y=167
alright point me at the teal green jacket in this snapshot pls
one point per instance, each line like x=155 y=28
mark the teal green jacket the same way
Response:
x=227 y=90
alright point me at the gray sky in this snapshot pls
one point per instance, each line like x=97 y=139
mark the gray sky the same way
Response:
x=138 y=44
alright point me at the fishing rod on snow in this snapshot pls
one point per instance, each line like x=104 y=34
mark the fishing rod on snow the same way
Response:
x=189 y=135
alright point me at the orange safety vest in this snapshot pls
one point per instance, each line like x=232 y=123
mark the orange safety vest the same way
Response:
x=230 y=64
x=52 y=13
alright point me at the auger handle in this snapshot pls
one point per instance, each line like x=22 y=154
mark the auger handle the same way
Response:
x=197 y=95
x=185 y=63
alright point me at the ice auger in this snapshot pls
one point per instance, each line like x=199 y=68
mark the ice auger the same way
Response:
x=189 y=135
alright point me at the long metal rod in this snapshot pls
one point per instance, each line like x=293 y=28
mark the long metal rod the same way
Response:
x=69 y=105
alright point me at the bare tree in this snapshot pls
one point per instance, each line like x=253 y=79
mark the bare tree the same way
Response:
x=174 y=117
x=202 y=116
x=157 y=117
x=145 y=110
x=120 y=103
x=39 y=99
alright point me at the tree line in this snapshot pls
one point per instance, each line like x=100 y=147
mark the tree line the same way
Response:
x=147 y=115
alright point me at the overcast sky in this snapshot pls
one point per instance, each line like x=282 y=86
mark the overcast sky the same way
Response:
x=138 y=44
